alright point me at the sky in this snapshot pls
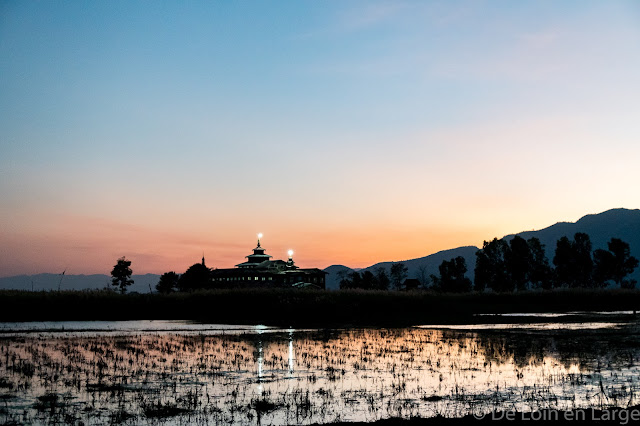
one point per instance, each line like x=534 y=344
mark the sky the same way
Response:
x=352 y=132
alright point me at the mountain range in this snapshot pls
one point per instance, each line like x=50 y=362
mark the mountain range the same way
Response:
x=615 y=223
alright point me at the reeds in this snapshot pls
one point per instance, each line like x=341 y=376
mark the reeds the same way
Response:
x=303 y=308
x=309 y=377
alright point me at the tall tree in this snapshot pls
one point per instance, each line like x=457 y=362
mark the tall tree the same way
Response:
x=121 y=274
x=573 y=261
x=491 y=267
x=399 y=273
x=351 y=280
x=584 y=261
x=519 y=261
x=452 y=278
x=368 y=281
x=382 y=279
x=343 y=275
x=540 y=272
x=563 y=262
x=423 y=276
x=168 y=282
x=615 y=264
x=198 y=276
x=624 y=263
x=603 y=265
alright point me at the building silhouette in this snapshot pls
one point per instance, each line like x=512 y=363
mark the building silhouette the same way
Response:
x=259 y=270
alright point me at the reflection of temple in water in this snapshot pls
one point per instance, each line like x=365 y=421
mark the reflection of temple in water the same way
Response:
x=259 y=270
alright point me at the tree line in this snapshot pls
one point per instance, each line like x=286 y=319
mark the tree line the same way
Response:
x=515 y=265
x=522 y=264
x=377 y=280
x=198 y=276
x=501 y=266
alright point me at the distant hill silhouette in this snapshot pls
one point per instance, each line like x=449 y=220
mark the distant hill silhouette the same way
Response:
x=615 y=223
x=601 y=227
x=332 y=280
x=75 y=282
x=430 y=263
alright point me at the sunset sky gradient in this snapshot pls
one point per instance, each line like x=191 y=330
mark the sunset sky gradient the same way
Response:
x=352 y=132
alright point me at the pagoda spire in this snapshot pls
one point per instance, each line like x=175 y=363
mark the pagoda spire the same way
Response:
x=290 y=263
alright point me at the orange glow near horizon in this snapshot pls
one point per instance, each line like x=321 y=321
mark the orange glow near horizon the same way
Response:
x=83 y=245
x=404 y=131
x=51 y=242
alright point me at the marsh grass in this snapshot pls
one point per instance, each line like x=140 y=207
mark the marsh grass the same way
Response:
x=291 y=307
x=315 y=376
x=159 y=409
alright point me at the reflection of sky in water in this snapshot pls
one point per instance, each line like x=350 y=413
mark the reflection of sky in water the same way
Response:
x=132 y=326
x=311 y=376
x=534 y=326
x=557 y=314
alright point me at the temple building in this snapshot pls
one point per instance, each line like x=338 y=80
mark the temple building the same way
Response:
x=259 y=270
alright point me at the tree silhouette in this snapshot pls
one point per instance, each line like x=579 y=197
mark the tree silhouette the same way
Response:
x=198 y=276
x=343 y=275
x=573 y=261
x=584 y=261
x=519 y=260
x=168 y=282
x=121 y=274
x=603 y=265
x=352 y=280
x=399 y=273
x=423 y=276
x=382 y=279
x=563 y=262
x=452 y=278
x=491 y=267
x=367 y=280
x=624 y=263
x=539 y=272
x=614 y=264
x=526 y=264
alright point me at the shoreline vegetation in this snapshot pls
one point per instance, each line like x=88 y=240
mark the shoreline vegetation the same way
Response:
x=312 y=308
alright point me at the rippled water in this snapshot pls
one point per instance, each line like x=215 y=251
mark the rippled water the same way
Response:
x=178 y=372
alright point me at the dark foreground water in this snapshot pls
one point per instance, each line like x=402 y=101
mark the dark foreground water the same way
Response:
x=161 y=372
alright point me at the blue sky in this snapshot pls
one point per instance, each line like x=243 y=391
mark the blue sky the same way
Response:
x=355 y=132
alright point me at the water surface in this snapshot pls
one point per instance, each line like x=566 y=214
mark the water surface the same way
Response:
x=178 y=372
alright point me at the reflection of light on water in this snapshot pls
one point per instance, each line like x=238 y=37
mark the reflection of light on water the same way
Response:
x=260 y=387
x=349 y=375
x=290 y=352
x=573 y=369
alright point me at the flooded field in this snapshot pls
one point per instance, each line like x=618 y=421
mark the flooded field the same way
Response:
x=160 y=372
